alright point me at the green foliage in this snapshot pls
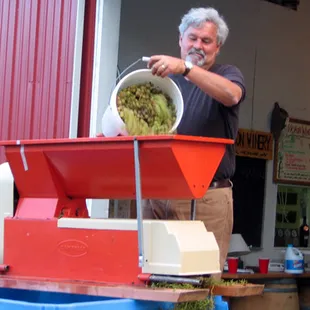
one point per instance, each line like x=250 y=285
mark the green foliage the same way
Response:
x=206 y=282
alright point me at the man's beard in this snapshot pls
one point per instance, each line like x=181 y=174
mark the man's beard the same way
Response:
x=193 y=57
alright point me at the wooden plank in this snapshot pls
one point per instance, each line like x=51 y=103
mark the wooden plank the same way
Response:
x=102 y=289
x=254 y=144
x=238 y=290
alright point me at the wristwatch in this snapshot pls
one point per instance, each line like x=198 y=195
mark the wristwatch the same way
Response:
x=188 y=67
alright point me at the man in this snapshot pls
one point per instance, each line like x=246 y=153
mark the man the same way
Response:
x=212 y=95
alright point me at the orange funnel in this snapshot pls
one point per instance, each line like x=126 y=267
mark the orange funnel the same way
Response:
x=172 y=167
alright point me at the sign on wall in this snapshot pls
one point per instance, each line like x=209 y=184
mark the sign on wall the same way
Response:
x=255 y=144
x=292 y=154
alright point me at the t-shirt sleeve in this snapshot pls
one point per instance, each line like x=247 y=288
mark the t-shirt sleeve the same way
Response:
x=233 y=74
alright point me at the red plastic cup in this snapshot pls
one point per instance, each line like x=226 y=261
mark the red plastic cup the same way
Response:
x=232 y=264
x=263 y=265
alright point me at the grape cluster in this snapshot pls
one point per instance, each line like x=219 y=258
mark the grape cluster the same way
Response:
x=145 y=109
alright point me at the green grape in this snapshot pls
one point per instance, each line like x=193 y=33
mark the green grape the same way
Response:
x=146 y=110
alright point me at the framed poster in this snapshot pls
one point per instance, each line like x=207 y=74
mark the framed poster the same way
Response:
x=292 y=154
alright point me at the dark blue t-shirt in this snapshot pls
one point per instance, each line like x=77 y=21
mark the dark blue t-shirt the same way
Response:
x=206 y=117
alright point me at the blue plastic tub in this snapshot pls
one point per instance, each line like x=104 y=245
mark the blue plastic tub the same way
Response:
x=219 y=304
x=15 y=299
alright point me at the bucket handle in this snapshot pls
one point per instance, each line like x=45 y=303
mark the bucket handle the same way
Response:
x=131 y=65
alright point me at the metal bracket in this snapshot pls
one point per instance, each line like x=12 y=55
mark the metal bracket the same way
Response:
x=139 y=201
x=193 y=209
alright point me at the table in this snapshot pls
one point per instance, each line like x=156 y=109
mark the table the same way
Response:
x=269 y=275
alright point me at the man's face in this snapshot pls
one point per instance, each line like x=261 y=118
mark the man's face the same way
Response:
x=199 y=45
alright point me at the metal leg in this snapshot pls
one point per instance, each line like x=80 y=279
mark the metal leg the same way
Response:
x=193 y=210
x=139 y=202
x=116 y=208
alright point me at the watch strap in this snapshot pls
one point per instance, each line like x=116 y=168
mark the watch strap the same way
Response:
x=188 y=67
x=185 y=73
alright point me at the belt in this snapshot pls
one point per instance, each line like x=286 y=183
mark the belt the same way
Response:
x=220 y=184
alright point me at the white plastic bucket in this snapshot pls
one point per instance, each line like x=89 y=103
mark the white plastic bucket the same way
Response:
x=113 y=125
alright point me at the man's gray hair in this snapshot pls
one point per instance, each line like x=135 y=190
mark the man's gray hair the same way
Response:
x=196 y=17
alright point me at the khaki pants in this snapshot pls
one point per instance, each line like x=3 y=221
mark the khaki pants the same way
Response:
x=215 y=209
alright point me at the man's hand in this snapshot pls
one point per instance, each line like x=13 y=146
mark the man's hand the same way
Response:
x=163 y=65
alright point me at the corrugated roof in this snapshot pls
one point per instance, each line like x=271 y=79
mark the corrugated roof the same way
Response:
x=36 y=57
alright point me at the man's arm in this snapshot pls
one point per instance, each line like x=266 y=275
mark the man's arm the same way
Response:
x=216 y=86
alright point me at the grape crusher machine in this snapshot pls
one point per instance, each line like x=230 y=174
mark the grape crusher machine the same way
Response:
x=50 y=236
